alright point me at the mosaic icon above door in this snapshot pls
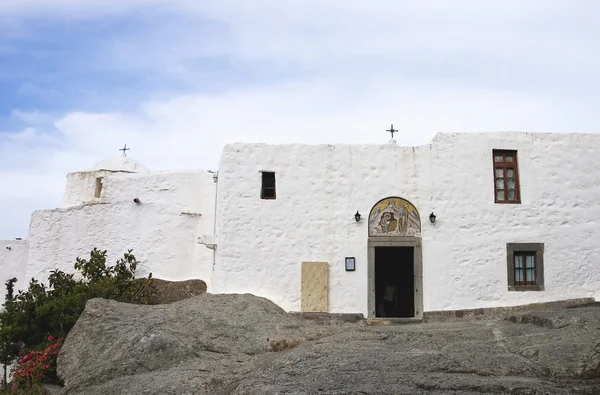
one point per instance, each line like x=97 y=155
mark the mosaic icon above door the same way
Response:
x=394 y=216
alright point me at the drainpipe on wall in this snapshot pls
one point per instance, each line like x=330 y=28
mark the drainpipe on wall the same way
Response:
x=215 y=179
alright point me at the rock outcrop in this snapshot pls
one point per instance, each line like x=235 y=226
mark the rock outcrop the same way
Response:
x=173 y=291
x=243 y=344
x=172 y=347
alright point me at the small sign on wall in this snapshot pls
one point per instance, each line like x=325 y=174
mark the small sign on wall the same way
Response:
x=350 y=264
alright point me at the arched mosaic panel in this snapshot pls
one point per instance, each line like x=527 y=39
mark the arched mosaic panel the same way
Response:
x=394 y=216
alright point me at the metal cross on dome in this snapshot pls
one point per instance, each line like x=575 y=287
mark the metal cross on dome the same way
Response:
x=125 y=149
x=392 y=130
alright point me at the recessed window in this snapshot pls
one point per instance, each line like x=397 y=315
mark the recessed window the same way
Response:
x=525 y=266
x=267 y=190
x=98 y=189
x=506 y=177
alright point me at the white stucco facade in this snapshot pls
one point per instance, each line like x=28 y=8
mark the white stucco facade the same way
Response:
x=260 y=243
x=319 y=188
x=162 y=229
x=173 y=210
x=13 y=262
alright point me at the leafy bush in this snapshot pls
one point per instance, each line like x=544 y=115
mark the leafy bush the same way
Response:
x=31 y=317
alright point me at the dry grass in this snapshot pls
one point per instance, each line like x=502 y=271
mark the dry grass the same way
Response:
x=35 y=390
x=276 y=345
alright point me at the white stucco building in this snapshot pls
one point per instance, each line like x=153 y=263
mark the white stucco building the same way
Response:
x=517 y=221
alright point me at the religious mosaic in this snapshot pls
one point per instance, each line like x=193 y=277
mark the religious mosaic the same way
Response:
x=394 y=217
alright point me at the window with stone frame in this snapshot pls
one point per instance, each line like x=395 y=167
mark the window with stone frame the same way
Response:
x=506 y=177
x=267 y=190
x=525 y=262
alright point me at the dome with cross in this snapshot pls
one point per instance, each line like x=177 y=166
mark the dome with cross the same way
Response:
x=120 y=163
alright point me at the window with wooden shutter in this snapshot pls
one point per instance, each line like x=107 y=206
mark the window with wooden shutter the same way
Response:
x=267 y=190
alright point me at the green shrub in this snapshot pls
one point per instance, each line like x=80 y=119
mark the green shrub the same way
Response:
x=29 y=318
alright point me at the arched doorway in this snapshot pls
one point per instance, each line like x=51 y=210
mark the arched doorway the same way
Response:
x=395 y=272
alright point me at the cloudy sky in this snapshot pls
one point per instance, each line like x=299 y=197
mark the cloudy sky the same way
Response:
x=178 y=79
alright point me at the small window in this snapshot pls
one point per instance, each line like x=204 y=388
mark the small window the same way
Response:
x=525 y=266
x=268 y=185
x=98 y=190
x=506 y=177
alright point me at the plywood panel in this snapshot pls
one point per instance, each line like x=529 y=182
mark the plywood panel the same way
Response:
x=315 y=286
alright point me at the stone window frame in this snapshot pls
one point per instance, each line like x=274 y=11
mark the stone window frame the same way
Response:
x=538 y=250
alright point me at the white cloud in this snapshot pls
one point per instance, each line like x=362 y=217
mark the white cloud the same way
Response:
x=427 y=67
x=190 y=131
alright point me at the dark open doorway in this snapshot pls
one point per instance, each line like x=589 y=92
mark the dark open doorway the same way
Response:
x=394 y=282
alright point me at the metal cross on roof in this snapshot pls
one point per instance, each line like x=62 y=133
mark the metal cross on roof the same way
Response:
x=125 y=149
x=392 y=130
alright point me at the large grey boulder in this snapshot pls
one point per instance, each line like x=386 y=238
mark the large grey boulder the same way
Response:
x=113 y=340
x=243 y=344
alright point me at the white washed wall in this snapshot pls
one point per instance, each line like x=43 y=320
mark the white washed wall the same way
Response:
x=176 y=208
x=319 y=188
x=13 y=259
x=81 y=187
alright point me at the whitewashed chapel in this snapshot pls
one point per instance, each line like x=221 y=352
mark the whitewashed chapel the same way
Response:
x=467 y=221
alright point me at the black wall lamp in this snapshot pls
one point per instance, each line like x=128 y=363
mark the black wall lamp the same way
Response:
x=357 y=216
x=432 y=217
